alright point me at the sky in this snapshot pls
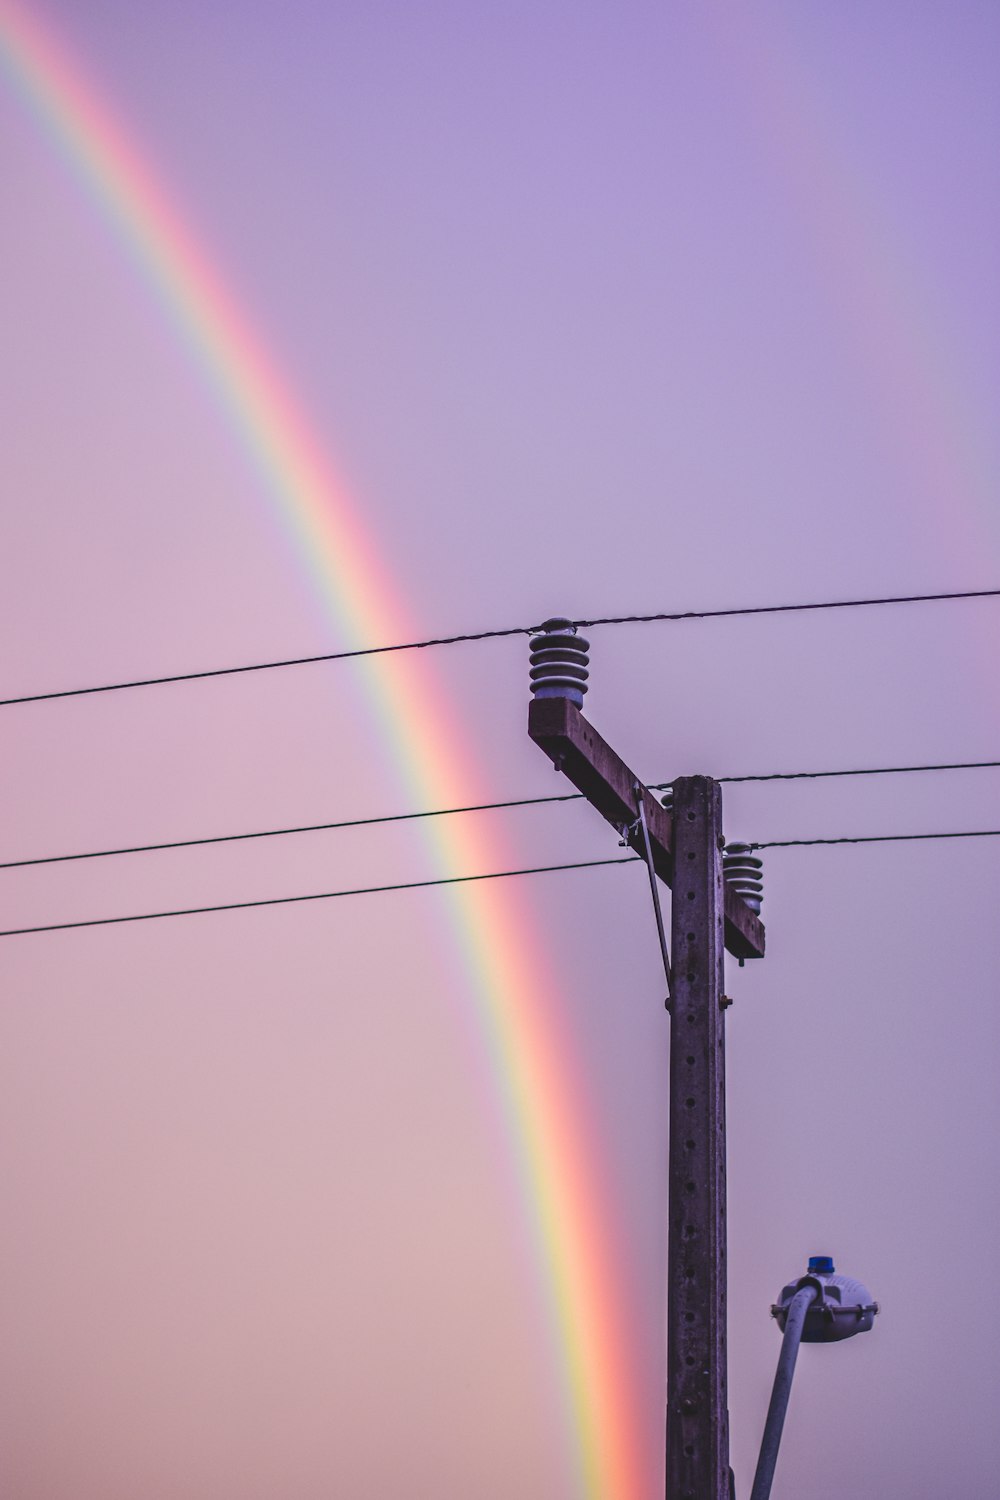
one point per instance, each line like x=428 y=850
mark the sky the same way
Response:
x=592 y=310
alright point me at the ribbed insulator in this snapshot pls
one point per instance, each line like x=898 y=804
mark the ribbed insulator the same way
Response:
x=743 y=870
x=559 y=662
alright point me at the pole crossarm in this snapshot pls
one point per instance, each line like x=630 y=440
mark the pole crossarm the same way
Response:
x=576 y=748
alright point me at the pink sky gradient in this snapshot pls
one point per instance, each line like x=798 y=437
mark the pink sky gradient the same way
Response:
x=596 y=309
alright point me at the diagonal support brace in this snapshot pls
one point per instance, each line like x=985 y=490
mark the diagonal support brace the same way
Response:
x=586 y=759
x=647 y=849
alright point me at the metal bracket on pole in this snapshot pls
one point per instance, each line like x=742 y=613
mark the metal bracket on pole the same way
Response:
x=647 y=850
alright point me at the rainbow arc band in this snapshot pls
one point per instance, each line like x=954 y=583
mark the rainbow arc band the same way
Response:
x=522 y=1045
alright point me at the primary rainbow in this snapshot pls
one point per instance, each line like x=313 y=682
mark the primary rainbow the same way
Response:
x=534 y=1083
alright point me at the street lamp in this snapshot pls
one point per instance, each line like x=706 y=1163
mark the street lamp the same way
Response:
x=820 y=1308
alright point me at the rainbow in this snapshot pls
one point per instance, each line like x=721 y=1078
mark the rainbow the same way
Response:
x=893 y=318
x=534 y=1084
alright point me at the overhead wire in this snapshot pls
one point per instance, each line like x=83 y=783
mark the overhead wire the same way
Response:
x=878 y=838
x=480 y=807
x=452 y=812
x=370 y=890
x=781 y=609
x=474 y=807
x=484 y=635
x=413 y=885
x=956 y=765
x=273 y=833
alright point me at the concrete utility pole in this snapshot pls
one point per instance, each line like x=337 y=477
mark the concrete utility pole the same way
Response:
x=684 y=848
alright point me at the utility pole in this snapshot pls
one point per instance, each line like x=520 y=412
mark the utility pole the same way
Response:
x=697 y=1399
x=683 y=847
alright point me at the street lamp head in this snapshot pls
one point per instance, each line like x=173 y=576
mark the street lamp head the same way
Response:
x=841 y=1308
x=559 y=662
x=820 y=1308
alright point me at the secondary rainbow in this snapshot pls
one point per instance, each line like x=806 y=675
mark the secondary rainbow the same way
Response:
x=905 y=344
x=535 y=1088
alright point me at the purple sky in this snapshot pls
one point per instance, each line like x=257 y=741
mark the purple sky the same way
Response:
x=600 y=309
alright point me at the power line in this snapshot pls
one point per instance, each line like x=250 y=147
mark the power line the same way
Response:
x=958 y=765
x=370 y=890
x=781 y=609
x=414 y=885
x=445 y=812
x=263 y=666
x=879 y=838
x=274 y=833
x=485 y=635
